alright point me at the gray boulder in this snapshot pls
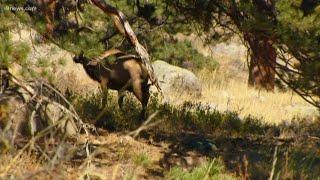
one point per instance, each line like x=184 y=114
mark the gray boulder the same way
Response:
x=66 y=75
x=20 y=119
x=175 y=79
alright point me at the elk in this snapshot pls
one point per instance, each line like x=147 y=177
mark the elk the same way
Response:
x=128 y=73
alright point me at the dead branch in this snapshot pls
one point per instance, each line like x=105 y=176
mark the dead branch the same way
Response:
x=32 y=140
x=40 y=98
x=32 y=120
x=145 y=125
x=274 y=163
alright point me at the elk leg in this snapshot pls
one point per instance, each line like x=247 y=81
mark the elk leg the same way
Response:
x=104 y=89
x=145 y=99
x=105 y=94
x=120 y=99
x=121 y=93
x=104 y=99
x=139 y=92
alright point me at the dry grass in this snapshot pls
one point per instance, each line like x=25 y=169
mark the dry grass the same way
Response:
x=226 y=88
x=227 y=91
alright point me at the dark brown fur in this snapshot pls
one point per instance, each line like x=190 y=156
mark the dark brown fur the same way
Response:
x=125 y=74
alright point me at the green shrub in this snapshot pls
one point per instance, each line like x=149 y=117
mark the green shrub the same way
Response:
x=178 y=52
x=142 y=160
x=43 y=62
x=187 y=117
x=62 y=61
x=208 y=170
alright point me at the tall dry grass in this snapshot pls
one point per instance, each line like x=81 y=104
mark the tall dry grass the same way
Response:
x=226 y=88
x=223 y=92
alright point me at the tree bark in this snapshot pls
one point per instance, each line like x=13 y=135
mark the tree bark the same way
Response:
x=262 y=62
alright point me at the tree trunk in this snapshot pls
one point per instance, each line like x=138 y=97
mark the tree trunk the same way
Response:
x=262 y=62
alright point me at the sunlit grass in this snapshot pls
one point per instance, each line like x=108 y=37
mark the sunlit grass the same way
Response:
x=223 y=93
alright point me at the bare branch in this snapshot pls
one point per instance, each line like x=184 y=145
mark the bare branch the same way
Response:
x=147 y=124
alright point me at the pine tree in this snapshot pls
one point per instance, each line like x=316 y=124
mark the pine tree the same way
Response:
x=287 y=29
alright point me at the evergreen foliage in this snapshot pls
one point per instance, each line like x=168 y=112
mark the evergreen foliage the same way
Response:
x=292 y=25
x=96 y=32
x=11 y=52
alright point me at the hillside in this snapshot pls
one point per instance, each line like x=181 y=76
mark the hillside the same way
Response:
x=55 y=122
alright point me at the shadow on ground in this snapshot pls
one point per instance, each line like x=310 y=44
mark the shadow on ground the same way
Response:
x=192 y=133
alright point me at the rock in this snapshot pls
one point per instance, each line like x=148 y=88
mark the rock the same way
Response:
x=19 y=119
x=55 y=114
x=13 y=116
x=172 y=78
x=66 y=74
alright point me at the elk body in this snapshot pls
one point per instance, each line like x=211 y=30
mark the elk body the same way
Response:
x=128 y=73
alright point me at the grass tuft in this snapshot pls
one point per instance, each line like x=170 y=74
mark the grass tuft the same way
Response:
x=142 y=159
x=208 y=170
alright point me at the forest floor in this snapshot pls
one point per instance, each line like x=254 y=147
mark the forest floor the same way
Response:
x=244 y=133
x=162 y=155
x=113 y=156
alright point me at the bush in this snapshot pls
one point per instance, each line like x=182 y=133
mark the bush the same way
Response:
x=181 y=53
x=186 y=117
x=208 y=170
